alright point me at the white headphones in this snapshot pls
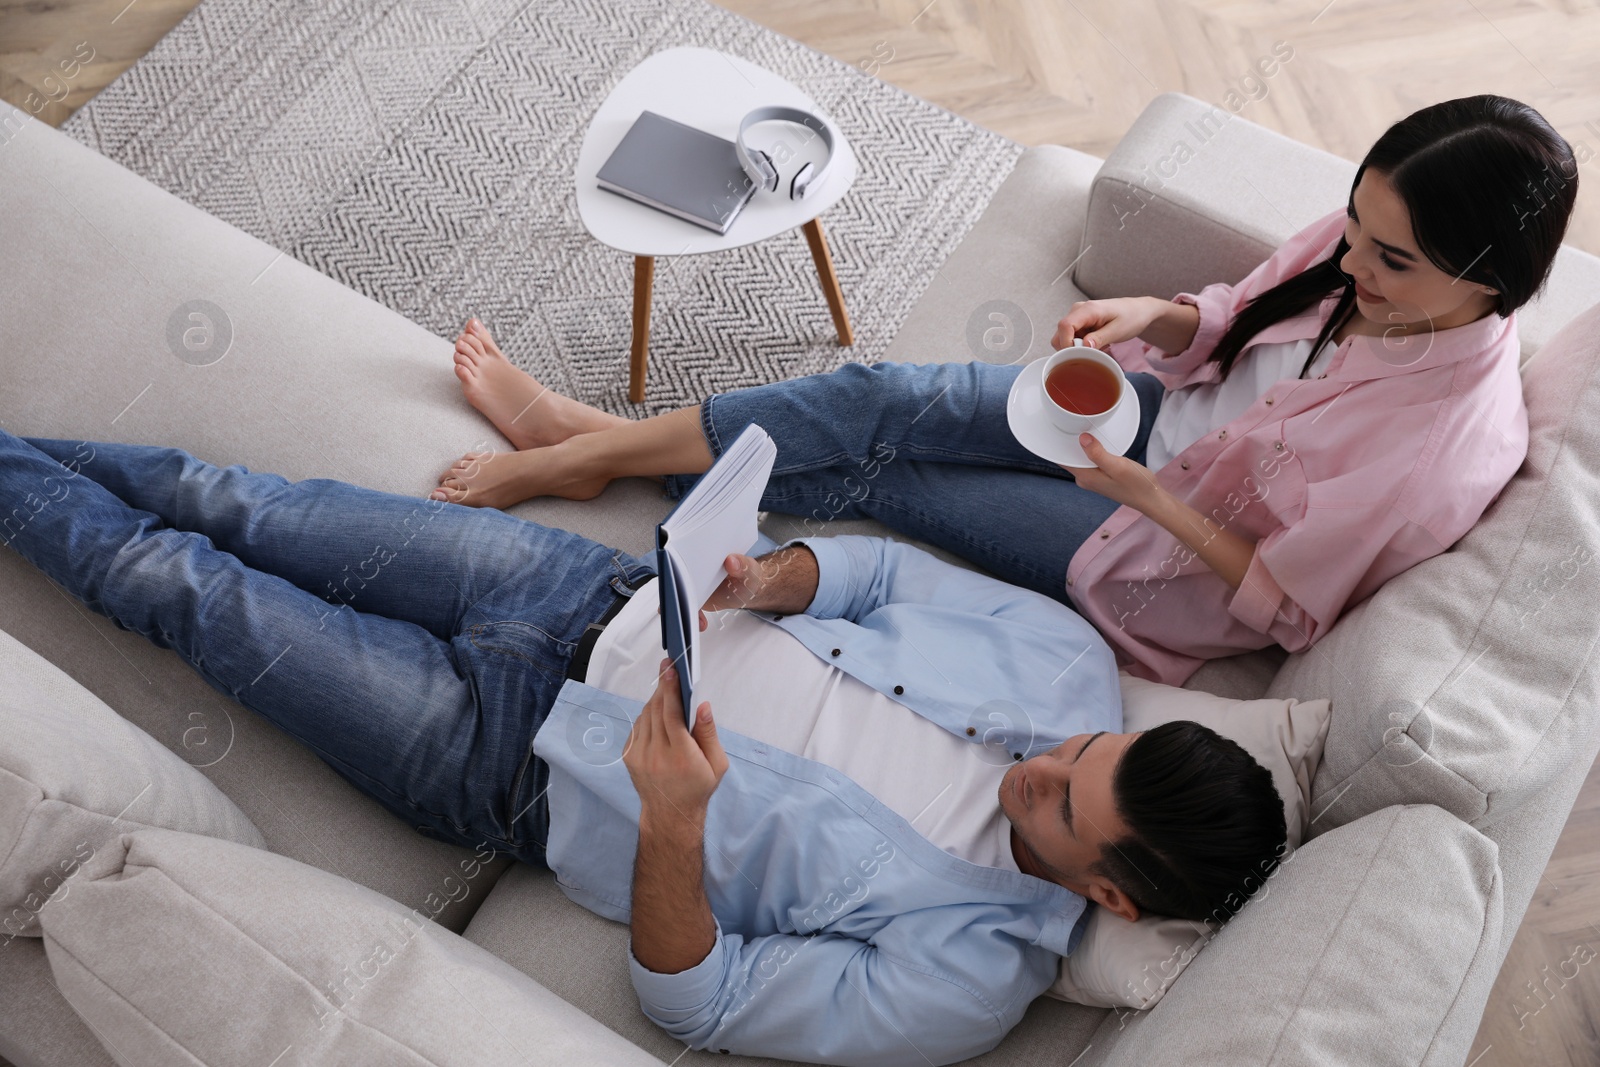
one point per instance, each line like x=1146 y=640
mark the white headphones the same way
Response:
x=758 y=164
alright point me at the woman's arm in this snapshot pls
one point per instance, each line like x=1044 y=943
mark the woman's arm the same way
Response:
x=1226 y=553
x=1174 y=326
x=1134 y=485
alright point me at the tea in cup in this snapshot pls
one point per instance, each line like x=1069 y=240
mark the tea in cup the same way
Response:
x=1082 y=386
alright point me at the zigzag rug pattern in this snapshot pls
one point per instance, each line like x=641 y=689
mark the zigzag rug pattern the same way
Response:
x=421 y=152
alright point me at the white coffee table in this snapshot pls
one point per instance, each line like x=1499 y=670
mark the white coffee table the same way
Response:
x=712 y=91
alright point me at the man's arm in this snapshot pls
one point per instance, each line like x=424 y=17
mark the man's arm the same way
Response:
x=671 y=923
x=782 y=581
x=675 y=773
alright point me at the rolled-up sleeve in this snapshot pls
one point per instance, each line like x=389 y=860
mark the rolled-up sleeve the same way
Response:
x=822 y=998
x=1260 y=598
x=1220 y=303
x=1337 y=557
x=1216 y=306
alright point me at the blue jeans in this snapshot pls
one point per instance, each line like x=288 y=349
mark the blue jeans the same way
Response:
x=414 y=645
x=924 y=449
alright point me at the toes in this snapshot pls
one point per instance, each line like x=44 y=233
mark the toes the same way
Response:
x=480 y=334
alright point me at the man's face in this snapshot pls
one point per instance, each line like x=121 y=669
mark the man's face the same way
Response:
x=1061 y=806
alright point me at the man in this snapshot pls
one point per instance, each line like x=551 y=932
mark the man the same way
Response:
x=880 y=856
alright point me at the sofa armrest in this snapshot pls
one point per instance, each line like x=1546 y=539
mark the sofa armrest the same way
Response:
x=1196 y=194
x=1377 y=942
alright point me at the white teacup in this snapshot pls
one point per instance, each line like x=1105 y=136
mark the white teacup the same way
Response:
x=1071 y=421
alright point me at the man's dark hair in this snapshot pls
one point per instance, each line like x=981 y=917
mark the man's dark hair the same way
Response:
x=1205 y=823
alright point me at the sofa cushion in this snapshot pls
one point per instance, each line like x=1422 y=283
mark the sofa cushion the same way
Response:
x=291 y=957
x=40 y=1028
x=73 y=776
x=1374 y=943
x=1132 y=964
x=1469 y=681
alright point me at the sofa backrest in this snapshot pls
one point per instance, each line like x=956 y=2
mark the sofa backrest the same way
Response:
x=1470 y=680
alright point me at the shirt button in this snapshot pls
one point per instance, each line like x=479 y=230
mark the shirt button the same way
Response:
x=1279 y=446
x=835 y=652
x=1222 y=435
x=1104 y=534
x=1184 y=464
x=1323 y=375
x=1069 y=581
x=1269 y=400
x=971 y=730
x=899 y=690
x=1016 y=755
x=777 y=618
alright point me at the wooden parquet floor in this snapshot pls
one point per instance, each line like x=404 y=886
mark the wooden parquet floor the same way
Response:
x=1078 y=73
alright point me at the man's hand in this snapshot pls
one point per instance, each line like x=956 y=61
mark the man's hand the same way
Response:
x=784 y=581
x=674 y=771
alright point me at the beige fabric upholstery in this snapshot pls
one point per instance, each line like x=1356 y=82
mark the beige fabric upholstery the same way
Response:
x=1019 y=252
x=1362 y=950
x=198 y=951
x=73 y=776
x=1478 y=662
x=36 y=1025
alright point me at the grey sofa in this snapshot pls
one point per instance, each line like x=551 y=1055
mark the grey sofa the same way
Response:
x=1380 y=940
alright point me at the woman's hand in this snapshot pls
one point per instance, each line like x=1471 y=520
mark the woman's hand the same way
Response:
x=1104 y=322
x=1118 y=477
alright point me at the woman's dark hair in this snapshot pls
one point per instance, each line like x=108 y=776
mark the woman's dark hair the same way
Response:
x=1205 y=823
x=1489 y=185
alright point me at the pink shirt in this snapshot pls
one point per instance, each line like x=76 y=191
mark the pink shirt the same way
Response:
x=1342 y=481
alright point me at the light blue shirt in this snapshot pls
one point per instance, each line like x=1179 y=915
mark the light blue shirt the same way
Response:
x=843 y=935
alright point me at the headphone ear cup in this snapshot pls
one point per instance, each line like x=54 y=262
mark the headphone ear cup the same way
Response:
x=769 y=173
x=800 y=182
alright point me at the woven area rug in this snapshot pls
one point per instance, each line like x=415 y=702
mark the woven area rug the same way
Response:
x=421 y=152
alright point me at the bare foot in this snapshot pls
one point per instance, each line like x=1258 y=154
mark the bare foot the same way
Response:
x=501 y=479
x=529 y=414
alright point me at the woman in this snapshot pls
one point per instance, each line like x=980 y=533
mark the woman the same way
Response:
x=1347 y=410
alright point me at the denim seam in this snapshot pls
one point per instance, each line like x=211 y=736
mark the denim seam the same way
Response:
x=709 y=428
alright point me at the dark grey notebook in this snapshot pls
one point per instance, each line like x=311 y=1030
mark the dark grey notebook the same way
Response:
x=678 y=169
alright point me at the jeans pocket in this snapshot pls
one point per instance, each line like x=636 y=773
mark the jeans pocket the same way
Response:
x=524 y=641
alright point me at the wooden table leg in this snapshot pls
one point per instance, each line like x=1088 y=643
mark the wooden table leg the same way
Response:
x=830 y=281
x=644 y=272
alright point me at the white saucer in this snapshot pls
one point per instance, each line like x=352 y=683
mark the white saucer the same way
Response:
x=1031 y=425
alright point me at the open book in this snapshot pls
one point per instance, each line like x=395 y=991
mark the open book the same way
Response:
x=716 y=518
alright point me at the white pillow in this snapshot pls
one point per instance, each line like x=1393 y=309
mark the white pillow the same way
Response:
x=73 y=776
x=1123 y=964
x=193 y=950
